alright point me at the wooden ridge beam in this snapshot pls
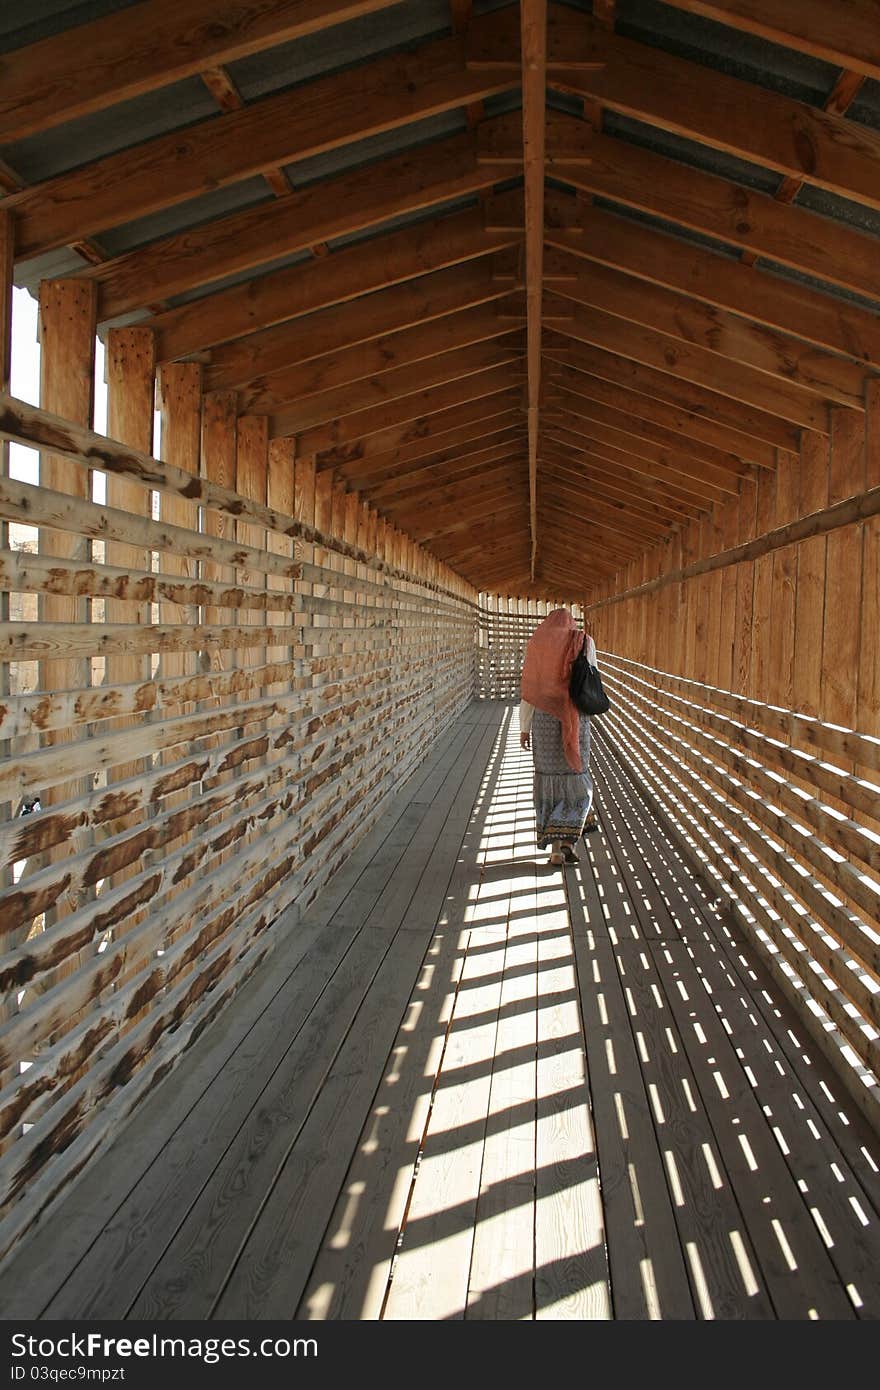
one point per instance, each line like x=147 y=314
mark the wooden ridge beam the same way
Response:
x=353 y=201
x=661 y=259
x=373 y=360
x=411 y=381
x=413 y=411
x=846 y=35
x=533 y=38
x=583 y=375
x=684 y=362
x=727 y=113
x=369 y=317
x=739 y=216
x=393 y=91
x=784 y=359
x=309 y=287
x=618 y=366
x=146 y=47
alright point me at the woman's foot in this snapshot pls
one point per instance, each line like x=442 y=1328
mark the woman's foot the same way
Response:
x=568 y=855
x=591 y=823
x=556 y=855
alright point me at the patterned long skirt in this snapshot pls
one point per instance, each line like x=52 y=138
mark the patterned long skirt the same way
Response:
x=562 y=798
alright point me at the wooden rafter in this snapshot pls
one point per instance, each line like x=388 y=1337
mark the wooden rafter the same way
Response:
x=534 y=56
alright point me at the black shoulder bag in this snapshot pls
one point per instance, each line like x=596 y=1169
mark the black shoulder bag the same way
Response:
x=585 y=685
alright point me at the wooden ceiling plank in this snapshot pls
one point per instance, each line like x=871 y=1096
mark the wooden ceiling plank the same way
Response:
x=393 y=90
x=241 y=241
x=589 y=374
x=413 y=411
x=636 y=523
x=436 y=532
x=370 y=317
x=410 y=381
x=755 y=294
x=847 y=35
x=374 y=360
x=731 y=337
x=146 y=47
x=320 y=284
x=684 y=362
x=619 y=367
x=739 y=216
x=727 y=113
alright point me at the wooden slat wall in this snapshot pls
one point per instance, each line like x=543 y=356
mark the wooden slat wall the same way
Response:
x=506 y=624
x=754 y=722
x=235 y=770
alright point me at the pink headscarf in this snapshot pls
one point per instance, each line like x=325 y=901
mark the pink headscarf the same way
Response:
x=546 y=673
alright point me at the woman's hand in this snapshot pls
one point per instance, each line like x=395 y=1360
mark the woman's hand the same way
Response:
x=525 y=740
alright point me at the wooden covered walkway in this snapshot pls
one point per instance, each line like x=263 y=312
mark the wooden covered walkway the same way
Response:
x=468 y=1085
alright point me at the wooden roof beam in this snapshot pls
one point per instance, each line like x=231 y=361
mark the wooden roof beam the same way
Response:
x=440 y=429
x=373 y=360
x=727 y=113
x=598 y=436
x=577 y=401
x=351 y=202
x=847 y=35
x=306 y=288
x=739 y=216
x=533 y=19
x=410 y=380
x=393 y=90
x=413 y=410
x=146 y=47
x=732 y=337
x=745 y=385
x=438 y=465
x=685 y=488
x=587 y=372
x=612 y=359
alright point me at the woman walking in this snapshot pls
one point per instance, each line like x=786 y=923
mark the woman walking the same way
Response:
x=557 y=734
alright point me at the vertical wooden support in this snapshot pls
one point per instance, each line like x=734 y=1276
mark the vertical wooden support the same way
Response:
x=869 y=655
x=280 y=496
x=745 y=587
x=782 y=616
x=251 y=465
x=179 y=396
x=810 y=602
x=727 y=629
x=218 y=447
x=67 y=388
x=765 y=519
x=304 y=486
x=843 y=575
x=130 y=371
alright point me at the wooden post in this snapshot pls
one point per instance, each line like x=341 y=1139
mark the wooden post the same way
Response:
x=218 y=466
x=130 y=371
x=869 y=654
x=179 y=395
x=280 y=494
x=843 y=575
x=67 y=388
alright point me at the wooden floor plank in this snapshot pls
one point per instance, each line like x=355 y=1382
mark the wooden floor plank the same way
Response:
x=196 y=1267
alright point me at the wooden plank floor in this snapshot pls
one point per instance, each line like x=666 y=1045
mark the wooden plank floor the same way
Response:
x=471 y=1085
